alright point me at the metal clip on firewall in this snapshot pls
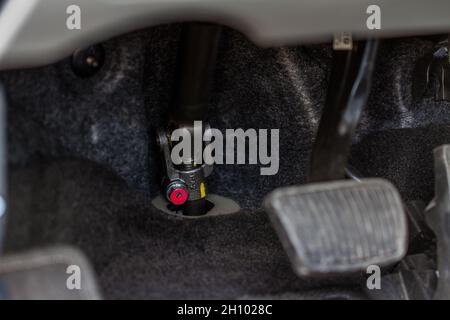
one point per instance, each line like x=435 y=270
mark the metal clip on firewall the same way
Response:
x=333 y=225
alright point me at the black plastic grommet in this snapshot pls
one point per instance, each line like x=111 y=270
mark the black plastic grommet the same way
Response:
x=88 y=61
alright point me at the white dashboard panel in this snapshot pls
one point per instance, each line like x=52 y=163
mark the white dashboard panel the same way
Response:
x=34 y=32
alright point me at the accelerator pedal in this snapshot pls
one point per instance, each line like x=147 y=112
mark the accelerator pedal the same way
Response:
x=438 y=218
x=339 y=226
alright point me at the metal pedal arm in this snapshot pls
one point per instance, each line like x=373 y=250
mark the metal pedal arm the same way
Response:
x=350 y=83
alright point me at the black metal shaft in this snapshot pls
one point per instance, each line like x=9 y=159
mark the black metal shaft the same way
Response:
x=349 y=88
x=196 y=65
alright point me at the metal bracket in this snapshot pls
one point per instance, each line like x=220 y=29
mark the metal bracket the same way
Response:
x=189 y=181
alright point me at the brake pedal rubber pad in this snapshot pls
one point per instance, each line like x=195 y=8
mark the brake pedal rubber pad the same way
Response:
x=339 y=226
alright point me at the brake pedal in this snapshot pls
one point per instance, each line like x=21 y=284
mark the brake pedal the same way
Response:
x=339 y=226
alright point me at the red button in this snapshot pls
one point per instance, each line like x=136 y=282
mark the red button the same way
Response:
x=178 y=197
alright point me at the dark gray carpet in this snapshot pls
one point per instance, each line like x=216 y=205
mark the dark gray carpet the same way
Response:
x=139 y=252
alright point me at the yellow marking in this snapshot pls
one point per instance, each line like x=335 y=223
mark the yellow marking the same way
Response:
x=202 y=190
